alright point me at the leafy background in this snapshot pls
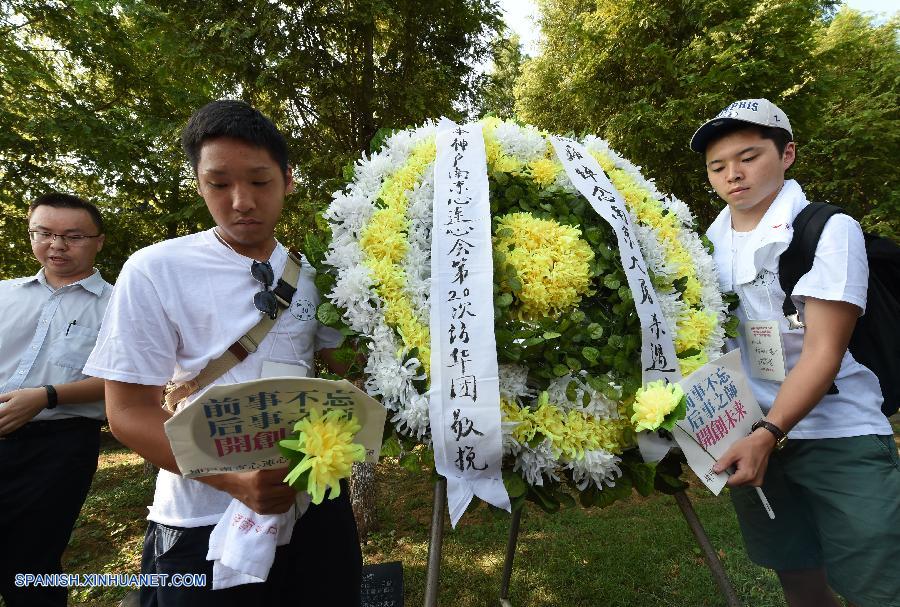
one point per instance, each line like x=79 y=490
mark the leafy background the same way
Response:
x=94 y=93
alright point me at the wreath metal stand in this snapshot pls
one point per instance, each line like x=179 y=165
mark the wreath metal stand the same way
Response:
x=432 y=580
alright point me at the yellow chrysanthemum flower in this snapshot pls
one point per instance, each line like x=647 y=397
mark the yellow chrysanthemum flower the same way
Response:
x=692 y=363
x=544 y=171
x=384 y=243
x=548 y=419
x=551 y=261
x=571 y=433
x=329 y=452
x=385 y=236
x=508 y=164
x=653 y=402
x=694 y=329
x=578 y=435
x=511 y=412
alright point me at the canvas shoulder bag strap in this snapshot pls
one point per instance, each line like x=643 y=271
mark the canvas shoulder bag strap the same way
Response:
x=246 y=345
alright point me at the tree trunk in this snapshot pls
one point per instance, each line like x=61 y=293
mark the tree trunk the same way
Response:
x=362 y=496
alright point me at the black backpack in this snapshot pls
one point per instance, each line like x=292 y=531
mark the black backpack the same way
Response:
x=876 y=339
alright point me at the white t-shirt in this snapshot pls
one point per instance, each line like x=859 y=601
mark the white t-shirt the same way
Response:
x=748 y=265
x=179 y=304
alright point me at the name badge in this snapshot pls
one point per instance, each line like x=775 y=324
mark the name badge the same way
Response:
x=764 y=350
x=271 y=368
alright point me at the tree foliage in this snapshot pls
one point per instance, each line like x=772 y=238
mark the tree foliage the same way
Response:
x=645 y=74
x=850 y=157
x=96 y=93
x=498 y=97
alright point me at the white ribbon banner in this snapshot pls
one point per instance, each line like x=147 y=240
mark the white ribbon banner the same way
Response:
x=658 y=358
x=464 y=399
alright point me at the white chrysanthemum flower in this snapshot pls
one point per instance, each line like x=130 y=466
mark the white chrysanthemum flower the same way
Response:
x=510 y=445
x=681 y=211
x=344 y=252
x=597 y=404
x=514 y=383
x=654 y=253
x=353 y=291
x=599 y=467
x=412 y=418
x=537 y=463
x=672 y=307
x=417 y=261
x=525 y=143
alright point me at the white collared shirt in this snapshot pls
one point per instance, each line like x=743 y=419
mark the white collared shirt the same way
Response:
x=46 y=335
x=748 y=265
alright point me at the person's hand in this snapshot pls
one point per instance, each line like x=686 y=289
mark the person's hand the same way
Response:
x=18 y=407
x=749 y=457
x=263 y=491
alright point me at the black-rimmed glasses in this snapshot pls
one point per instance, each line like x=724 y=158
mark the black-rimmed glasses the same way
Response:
x=71 y=240
x=265 y=300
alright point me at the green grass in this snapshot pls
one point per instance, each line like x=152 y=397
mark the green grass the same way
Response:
x=639 y=552
x=108 y=536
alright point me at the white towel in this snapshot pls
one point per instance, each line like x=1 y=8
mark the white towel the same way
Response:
x=242 y=544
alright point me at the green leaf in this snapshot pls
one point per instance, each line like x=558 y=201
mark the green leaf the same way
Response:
x=328 y=314
x=621 y=490
x=678 y=413
x=551 y=334
x=515 y=485
x=544 y=498
x=642 y=475
x=731 y=326
x=590 y=354
x=504 y=300
x=324 y=282
x=611 y=282
x=589 y=496
x=668 y=473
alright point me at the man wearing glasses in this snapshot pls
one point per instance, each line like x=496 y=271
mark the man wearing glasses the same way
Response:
x=50 y=412
x=180 y=304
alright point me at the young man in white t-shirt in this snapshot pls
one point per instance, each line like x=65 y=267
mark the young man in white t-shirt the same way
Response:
x=183 y=302
x=826 y=461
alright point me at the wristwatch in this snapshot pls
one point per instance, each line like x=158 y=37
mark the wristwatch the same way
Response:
x=780 y=437
x=52 y=398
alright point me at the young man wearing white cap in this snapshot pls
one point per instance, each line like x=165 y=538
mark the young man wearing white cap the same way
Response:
x=826 y=461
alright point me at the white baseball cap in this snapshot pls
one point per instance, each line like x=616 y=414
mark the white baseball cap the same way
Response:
x=753 y=111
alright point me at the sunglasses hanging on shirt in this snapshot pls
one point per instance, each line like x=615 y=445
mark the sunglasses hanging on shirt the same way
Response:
x=265 y=300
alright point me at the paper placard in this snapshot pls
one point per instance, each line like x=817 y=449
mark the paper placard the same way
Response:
x=764 y=349
x=236 y=427
x=720 y=410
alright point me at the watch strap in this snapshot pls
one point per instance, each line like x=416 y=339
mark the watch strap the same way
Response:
x=52 y=397
x=778 y=433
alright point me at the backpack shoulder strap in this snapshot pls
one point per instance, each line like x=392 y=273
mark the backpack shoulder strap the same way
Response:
x=798 y=258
